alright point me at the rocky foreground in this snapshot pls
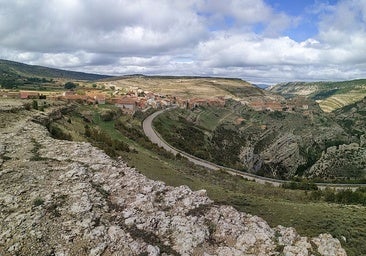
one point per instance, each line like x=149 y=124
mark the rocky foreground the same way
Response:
x=68 y=198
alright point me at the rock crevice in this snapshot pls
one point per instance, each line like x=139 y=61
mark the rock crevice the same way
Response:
x=72 y=199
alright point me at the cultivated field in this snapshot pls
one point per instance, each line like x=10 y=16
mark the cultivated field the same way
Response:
x=340 y=100
x=186 y=87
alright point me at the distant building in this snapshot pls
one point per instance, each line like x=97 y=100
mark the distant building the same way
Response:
x=196 y=102
x=126 y=104
x=100 y=99
x=218 y=102
x=96 y=98
x=142 y=103
x=67 y=93
x=12 y=95
x=29 y=95
x=181 y=103
x=75 y=97
x=266 y=105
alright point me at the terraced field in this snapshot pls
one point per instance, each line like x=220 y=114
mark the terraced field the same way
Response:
x=209 y=118
x=187 y=87
x=329 y=95
x=340 y=100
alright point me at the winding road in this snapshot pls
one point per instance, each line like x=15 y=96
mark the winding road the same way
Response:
x=156 y=138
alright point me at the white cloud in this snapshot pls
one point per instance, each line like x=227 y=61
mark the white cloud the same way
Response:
x=237 y=38
x=251 y=50
x=128 y=27
x=342 y=33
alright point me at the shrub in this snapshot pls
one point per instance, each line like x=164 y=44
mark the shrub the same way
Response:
x=35 y=104
x=38 y=201
x=58 y=133
x=105 y=141
x=329 y=195
x=70 y=85
x=27 y=106
x=303 y=185
x=316 y=195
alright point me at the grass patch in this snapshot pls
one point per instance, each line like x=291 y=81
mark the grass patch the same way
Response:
x=35 y=150
x=38 y=201
x=210 y=118
x=278 y=206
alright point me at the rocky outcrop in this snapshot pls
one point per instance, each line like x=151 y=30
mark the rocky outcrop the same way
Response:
x=68 y=198
x=45 y=118
x=336 y=161
x=283 y=155
x=281 y=158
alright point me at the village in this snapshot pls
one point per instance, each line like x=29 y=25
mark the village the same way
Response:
x=134 y=99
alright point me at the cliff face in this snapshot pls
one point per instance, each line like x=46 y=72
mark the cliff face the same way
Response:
x=330 y=95
x=68 y=198
x=337 y=160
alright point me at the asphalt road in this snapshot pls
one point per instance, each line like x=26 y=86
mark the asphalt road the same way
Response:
x=155 y=137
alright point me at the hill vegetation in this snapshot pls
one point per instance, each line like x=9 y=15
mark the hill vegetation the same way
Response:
x=286 y=145
x=19 y=75
x=329 y=95
x=219 y=133
x=307 y=211
x=353 y=117
x=189 y=87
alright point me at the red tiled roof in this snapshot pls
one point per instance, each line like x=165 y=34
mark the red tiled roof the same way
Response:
x=126 y=101
x=25 y=95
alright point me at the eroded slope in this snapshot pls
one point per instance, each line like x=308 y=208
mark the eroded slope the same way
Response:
x=67 y=198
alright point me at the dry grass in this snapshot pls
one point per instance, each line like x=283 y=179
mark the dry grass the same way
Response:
x=180 y=86
x=340 y=100
x=278 y=206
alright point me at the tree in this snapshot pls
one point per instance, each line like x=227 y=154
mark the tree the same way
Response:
x=70 y=85
x=87 y=131
x=35 y=104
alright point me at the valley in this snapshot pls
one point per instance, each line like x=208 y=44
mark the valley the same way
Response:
x=227 y=121
x=310 y=212
x=282 y=145
x=329 y=95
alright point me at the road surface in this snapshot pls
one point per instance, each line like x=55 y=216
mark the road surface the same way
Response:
x=155 y=137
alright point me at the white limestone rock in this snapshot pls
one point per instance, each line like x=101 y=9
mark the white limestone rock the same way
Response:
x=90 y=204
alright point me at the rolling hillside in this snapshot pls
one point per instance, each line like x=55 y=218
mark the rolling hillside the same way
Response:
x=23 y=70
x=275 y=144
x=188 y=87
x=19 y=75
x=329 y=95
x=353 y=119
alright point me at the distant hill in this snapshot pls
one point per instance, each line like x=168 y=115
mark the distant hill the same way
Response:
x=268 y=143
x=263 y=86
x=353 y=118
x=329 y=95
x=19 y=75
x=24 y=70
x=191 y=86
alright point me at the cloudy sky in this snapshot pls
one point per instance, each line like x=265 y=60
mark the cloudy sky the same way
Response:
x=262 y=41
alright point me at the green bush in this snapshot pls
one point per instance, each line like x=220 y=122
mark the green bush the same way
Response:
x=303 y=185
x=38 y=201
x=58 y=133
x=35 y=104
x=70 y=85
x=346 y=196
x=105 y=141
